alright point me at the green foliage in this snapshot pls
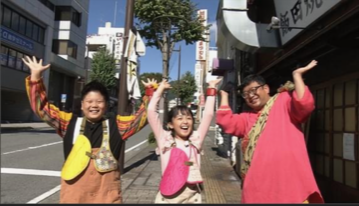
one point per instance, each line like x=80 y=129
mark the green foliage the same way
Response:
x=154 y=17
x=151 y=138
x=103 y=69
x=185 y=88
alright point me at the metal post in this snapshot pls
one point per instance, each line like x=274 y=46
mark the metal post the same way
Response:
x=123 y=93
x=179 y=71
x=87 y=64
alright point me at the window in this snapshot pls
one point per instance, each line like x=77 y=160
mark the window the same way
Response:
x=72 y=49
x=67 y=13
x=35 y=32
x=6 y=20
x=15 y=21
x=41 y=35
x=48 y=4
x=65 y=47
x=12 y=58
x=28 y=28
x=19 y=61
x=4 y=55
x=76 y=18
x=63 y=13
x=25 y=67
x=22 y=25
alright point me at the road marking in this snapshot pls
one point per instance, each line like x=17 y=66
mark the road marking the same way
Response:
x=137 y=145
x=30 y=172
x=30 y=148
x=45 y=172
x=45 y=195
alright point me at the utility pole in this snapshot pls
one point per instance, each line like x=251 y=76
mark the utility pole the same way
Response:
x=115 y=14
x=123 y=93
x=179 y=70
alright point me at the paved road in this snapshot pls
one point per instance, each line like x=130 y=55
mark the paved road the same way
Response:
x=31 y=162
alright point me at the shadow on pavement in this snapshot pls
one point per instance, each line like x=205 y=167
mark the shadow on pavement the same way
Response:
x=151 y=156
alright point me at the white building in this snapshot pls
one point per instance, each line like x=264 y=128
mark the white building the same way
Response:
x=52 y=30
x=111 y=38
x=108 y=37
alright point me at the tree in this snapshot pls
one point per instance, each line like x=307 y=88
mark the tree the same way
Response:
x=185 y=88
x=163 y=23
x=103 y=68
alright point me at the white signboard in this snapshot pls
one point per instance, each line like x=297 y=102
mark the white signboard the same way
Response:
x=348 y=146
x=300 y=13
x=197 y=74
x=118 y=45
x=201 y=46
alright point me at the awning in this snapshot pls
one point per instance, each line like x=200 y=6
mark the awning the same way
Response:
x=237 y=30
x=221 y=66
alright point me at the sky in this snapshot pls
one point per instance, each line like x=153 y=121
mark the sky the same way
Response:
x=102 y=11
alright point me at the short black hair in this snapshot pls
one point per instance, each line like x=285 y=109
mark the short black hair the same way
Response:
x=175 y=111
x=95 y=86
x=179 y=109
x=251 y=78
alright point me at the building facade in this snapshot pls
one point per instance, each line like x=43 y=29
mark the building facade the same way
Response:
x=273 y=38
x=51 y=30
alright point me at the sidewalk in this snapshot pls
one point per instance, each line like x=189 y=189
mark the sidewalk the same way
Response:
x=13 y=127
x=221 y=183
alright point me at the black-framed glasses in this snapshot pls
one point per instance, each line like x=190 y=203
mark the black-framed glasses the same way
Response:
x=253 y=90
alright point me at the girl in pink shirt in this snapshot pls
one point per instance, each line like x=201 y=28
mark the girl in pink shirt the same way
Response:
x=180 y=147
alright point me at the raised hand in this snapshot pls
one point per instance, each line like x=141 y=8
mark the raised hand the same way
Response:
x=164 y=85
x=150 y=82
x=213 y=83
x=298 y=78
x=35 y=67
x=302 y=70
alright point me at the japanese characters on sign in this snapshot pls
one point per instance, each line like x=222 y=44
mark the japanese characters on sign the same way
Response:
x=201 y=46
x=12 y=38
x=118 y=45
x=300 y=13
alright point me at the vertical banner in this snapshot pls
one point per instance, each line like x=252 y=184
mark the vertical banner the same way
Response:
x=201 y=46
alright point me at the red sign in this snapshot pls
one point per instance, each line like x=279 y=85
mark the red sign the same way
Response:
x=202 y=101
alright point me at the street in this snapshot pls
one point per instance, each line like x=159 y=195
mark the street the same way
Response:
x=31 y=162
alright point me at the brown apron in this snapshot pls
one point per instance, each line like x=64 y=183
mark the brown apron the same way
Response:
x=92 y=186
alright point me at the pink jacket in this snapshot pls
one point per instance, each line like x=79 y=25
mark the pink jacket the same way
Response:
x=280 y=171
x=164 y=138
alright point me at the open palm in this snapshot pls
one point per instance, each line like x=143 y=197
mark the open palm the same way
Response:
x=149 y=83
x=213 y=83
x=302 y=70
x=165 y=85
x=35 y=66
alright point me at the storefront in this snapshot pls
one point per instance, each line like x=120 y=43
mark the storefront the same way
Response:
x=327 y=31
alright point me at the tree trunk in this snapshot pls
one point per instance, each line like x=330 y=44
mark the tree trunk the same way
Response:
x=165 y=67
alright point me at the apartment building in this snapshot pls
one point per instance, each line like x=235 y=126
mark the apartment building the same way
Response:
x=52 y=30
